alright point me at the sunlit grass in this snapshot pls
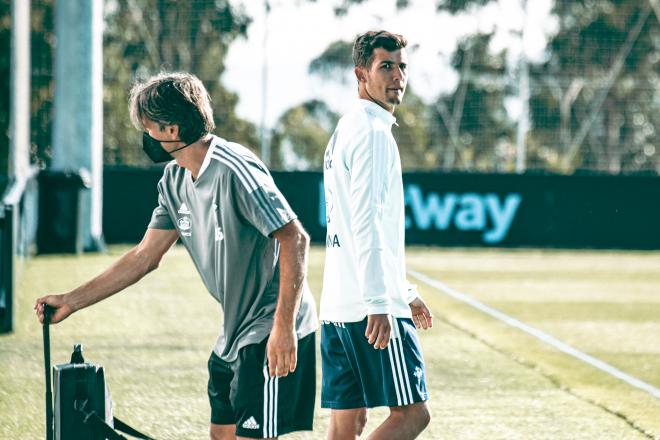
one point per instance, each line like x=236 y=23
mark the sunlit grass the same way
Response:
x=486 y=379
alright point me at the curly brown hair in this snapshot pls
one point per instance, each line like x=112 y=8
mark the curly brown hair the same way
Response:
x=173 y=98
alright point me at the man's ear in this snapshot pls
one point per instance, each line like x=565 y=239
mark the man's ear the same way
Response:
x=360 y=74
x=172 y=131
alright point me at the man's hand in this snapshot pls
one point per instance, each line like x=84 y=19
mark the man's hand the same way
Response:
x=378 y=330
x=282 y=349
x=421 y=314
x=58 y=302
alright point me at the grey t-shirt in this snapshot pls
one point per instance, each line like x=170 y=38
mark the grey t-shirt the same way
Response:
x=225 y=219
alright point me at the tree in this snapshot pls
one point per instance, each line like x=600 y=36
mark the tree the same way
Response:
x=467 y=129
x=301 y=135
x=5 y=69
x=42 y=40
x=457 y=6
x=335 y=61
x=597 y=103
x=593 y=104
x=143 y=37
x=412 y=133
x=42 y=87
x=472 y=126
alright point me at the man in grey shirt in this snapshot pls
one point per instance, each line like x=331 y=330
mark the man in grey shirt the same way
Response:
x=247 y=246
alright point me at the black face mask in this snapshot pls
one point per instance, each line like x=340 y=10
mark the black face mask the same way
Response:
x=153 y=148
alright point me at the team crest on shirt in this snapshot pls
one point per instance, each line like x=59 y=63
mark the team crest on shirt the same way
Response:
x=329 y=204
x=330 y=149
x=327 y=160
x=331 y=240
x=184 y=226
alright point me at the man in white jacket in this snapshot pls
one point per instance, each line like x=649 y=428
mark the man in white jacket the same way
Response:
x=370 y=351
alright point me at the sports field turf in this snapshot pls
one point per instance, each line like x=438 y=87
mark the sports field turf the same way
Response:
x=487 y=380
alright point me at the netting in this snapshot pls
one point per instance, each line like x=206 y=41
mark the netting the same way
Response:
x=590 y=102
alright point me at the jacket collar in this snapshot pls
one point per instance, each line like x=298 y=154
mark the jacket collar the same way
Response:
x=377 y=111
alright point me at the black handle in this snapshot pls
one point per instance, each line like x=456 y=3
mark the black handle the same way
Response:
x=48 y=311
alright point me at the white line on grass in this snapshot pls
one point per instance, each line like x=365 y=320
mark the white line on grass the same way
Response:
x=559 y=345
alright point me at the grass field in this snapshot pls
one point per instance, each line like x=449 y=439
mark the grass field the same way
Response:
x=487 y=380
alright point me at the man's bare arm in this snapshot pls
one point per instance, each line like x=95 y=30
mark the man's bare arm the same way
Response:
x=127 y=270
x=282 y=344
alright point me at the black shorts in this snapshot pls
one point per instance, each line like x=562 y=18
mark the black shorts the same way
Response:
x=242 y=392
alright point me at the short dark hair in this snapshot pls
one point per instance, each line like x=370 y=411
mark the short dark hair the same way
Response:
x=174 y=98
x=365 y=44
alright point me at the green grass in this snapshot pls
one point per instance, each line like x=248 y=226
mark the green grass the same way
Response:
x=606 y=304
x=486 y=380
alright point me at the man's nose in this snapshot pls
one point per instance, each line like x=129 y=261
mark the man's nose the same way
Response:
x=398 y=75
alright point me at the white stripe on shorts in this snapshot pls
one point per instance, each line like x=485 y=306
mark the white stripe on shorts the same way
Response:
x=271 y=389
x=398 y=361
x=398 y=394
x=403 y=362
x=270 y=407
x=277 y=382
x=265 y=419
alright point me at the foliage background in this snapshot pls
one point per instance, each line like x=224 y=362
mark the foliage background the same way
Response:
x=594 y=100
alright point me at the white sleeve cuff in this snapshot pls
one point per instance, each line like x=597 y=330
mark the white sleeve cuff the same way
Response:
x=381 y=309
x=411 y=293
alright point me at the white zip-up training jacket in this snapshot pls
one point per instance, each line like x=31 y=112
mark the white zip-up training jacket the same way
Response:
x=365 y=271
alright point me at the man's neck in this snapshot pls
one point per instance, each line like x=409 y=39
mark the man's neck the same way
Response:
x=192 y=157
x=364 y=94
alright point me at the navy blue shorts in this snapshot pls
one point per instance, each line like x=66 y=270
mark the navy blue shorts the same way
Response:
x=355 y=375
